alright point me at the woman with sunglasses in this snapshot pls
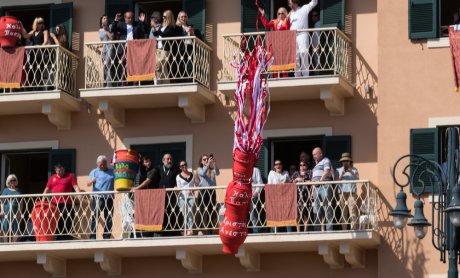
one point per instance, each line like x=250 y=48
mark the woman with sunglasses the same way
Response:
x=10 y=208
x=185 y=180
x=207 y=172
x=277 y=175
x=280 y=23
x=303 y=194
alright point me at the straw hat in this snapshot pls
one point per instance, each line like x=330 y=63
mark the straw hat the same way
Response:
x=346 y=157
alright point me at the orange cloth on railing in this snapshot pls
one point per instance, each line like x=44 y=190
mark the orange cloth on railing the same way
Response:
x=11 y=63
x=281 y=204
x=454 y=40
x=282 y=45
x=141 y=59
x=149 y=208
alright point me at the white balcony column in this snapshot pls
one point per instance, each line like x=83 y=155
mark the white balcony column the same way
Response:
x=109 y=263
x=331 y=256
x=53 y=265
x=115 y=115
x=193 y=109
x=57 y=116
x=249 y=259
x=333 y=101
x=353 y=255
x=190 y=261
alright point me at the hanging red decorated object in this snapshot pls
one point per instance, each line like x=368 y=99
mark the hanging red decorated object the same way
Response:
x=10 y=31
x=252 y=90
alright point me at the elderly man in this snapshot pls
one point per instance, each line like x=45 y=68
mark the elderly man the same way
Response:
x=299 y=21
x=101 y=178
x=129 y=29
x=167 y=179
x=59 y=183
x=322 y=194
x=348 y=191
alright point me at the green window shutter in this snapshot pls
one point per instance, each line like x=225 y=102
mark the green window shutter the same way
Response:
x=333 y=13
x=423 y=19
x=249 y=14
x=262 y=164
x=62 y=14
x=334 y=146
x=196 y=11
x=2 y=12
x=156 y=152
x=117 y=6
x=66 y=157
x=424 y=143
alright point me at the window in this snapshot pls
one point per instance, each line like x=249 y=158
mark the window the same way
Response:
x=53 y=15
x=431 y=144
x=288 y=149
x=431 y=18
x=156 y=152
x=332 y=13
x=196 y=9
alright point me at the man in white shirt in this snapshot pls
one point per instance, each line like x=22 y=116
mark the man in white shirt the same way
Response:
x=299 y=20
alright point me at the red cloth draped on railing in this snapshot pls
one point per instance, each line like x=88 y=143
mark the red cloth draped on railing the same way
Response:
x=281 y=204
x=252 y=85
x=11 y=63
x=142 y=59
x=149 y=207
x=282 y=44
x=454 y=40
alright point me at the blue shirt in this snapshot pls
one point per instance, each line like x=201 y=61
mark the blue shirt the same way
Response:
x=104 y=179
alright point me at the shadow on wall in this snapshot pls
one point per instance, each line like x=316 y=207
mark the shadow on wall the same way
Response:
x=406 y=256
x=366 y=82
x=108 y=132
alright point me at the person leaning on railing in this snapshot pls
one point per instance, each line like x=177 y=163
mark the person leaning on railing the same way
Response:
x=101 y=178
x=347 y=191
x=60 y=183
x=322 y=194
x=10 y=208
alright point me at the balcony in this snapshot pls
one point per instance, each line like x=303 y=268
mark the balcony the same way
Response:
x=189 y=229
x=182 y=79
x=48 y=86
x=329 y=69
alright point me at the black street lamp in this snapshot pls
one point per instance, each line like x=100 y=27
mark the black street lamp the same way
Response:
x=445 y=210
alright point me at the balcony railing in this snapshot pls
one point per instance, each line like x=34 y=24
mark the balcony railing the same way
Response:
x=186 y=212
x=328 y=53
x=48 y=68
x=183 y=60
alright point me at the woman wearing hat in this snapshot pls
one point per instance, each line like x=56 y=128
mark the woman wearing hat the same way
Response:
x=348 y=196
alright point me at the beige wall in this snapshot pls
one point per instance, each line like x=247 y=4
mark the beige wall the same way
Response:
x=415 y=83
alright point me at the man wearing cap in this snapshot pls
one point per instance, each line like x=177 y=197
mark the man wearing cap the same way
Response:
x=348 y=191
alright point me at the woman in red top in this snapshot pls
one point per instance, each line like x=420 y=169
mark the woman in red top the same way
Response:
x=281 y=23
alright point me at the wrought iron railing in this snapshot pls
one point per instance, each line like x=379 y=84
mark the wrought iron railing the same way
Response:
x=179 y=59
x=193 y=211
x=48 y=68
x=328 y=52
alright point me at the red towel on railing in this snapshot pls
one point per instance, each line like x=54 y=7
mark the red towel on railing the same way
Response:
x=281 y=204
x=11 y=62
x=282 y=45
x=149 y=209
x=454 y=40
x=141 y=61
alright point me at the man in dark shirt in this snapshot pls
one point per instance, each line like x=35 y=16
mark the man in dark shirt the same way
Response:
x=148 y=176
x=129 y=29
x=168 y=172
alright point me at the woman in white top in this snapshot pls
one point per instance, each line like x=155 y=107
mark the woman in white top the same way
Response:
x=186 y=181
x=277 y=175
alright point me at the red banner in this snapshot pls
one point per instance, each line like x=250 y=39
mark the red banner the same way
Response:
x=454 y=40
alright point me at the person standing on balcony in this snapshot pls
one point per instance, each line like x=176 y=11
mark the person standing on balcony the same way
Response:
x=315 y=42
x=38 y=35
x=148 y=175
x=256 y=200
x=165 y=66
x=186 y=46
x=155 y=24
x=207 y=203
x=348 y=196
x=59 y=37
x=186 y=181
x=9 y=209
x=277 y=176
x=299 y=20
x=303 y=194
x=167 y=179
x=322 y=194
x=59 y=183
x=107 y=49
x=101 y=178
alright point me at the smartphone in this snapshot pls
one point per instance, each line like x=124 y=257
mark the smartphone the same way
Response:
x=211 y=156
